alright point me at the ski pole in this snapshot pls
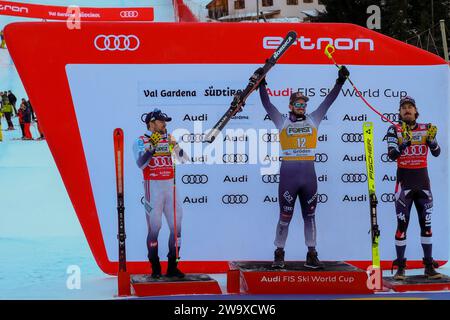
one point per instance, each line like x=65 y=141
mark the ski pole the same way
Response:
x=329 y=50
x=175 y=204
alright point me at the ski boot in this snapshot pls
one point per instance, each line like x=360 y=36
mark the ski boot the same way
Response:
x=312 y=261
x=401 y=266
x=156 y=268
x=172 y=269
x=278 y=261
x=430 y=273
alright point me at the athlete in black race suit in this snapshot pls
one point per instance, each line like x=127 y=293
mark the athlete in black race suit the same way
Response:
x=409 y=147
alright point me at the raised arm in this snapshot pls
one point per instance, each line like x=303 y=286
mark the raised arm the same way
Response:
x=318 y=114
x=271 y=110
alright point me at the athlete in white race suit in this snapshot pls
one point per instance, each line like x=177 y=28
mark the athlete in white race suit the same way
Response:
x=153 y=154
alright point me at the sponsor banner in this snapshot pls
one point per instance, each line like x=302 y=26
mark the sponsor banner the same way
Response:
x=229 y=189
x=47 y=12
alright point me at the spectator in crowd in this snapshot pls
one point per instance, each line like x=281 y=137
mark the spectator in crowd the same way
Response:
x=7 y=110
x=41 y=137
x=3 y=42
x=20 y=114
x=12 y=98
x=33 y=116
x=27 y=123
x=1 y=133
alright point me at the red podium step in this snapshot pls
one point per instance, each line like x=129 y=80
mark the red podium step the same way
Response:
x=144 y=285
x=258 y=277
x=417 y=283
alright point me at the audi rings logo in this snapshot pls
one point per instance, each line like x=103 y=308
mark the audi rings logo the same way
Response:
x=321 y=157
x=388 y=197
x=194 y=179
x=353 y=177
x=322 y=198
x=193 y=137
x=271 y=178
x=235 y=199
x=416 y=150
x=385 y=158
x=391 y=116
x=352 y=137
x=116 y=42
x=235 y=158
x=270 y=137
x=129 y=14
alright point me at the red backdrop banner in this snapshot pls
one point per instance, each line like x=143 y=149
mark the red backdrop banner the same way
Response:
x=39 y=11
x=166 y=43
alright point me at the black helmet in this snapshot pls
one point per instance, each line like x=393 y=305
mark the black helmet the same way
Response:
x=156 y=114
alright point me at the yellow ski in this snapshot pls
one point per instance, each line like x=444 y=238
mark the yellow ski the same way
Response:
x=370 y=166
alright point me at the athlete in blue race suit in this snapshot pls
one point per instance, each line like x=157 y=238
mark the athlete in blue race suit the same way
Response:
x=298 y=139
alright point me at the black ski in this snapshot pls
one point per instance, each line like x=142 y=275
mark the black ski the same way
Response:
x=239 y=99
x=121 y=236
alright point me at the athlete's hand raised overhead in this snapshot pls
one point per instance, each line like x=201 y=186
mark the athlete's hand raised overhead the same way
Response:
x=342 y=74
x=257 y=74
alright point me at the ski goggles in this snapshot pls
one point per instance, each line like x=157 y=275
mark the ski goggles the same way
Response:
x=299 y=105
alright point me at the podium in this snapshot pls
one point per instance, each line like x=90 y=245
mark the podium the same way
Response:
x=258 y=277
x=144 y=285
x=417 y=283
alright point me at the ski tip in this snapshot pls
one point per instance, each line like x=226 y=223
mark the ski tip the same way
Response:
x=293 y=34
x=367 y=125
x=118 y=132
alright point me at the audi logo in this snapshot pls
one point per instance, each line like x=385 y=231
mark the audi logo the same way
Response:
x=271 y=178
x=271 y=137
x=193 y=137
x=163 y=161
x=235 y=158
x=194 y=179
x=235 y=199
x=391 y=116
x=385 y=158
x=129 y=14
x=388 y=197
x=352 y=137
x=416 y=150
x=353 y=177
x=321 y=157
x=116 y=42
x=322 y=198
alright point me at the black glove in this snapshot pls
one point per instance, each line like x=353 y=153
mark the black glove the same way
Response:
x=257 y=74
x=342 y=75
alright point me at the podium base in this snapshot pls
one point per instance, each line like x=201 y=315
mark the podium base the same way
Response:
x=417 y=283
x=145 y=286
x=258 y=277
